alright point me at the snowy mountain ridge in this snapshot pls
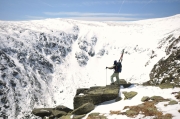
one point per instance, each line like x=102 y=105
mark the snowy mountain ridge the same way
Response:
x=43 y=62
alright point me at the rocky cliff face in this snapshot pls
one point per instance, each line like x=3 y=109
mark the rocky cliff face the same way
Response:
x=167 y=69
x=27 y=61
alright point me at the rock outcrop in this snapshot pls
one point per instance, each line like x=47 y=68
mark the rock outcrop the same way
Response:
x=166 y=71
x=52 y=112
x=84 y=102
x=96 y=95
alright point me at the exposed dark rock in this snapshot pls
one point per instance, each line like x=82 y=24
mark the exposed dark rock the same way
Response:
x=158 y=99
x=4 y=100
x=12 y=82
x=118 y=99
x=167 y=70
x=3 y=75
x=172 y=102
x=2 y=67
x=37 y=61
x=65 y=117
x=83 y=45
x=6 y=105
x=84 y=109
x=47 y=51
x=123 y=83
x=14 y=73
x=129 y=95
x=21 y=56
x=57 y=113
x=101 y=52
x=42 y=112
x=82 y=90
x=1 y=91
x=165 y=86
x=166 y=80
x=172 y=45
x=96 y=116
x=63 y=108
x=145 y=98
x=63 y=51
x=91 y=52
x=131 y=113
x=11 y=64
x=178 y=95
x=79 y=116
x=96 y=95
x=2 y=83
x=88 y=45
x=82 y=58
x=56 y=59
x=126 y=85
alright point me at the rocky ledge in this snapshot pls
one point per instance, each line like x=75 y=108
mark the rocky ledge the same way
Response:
x=84 y=102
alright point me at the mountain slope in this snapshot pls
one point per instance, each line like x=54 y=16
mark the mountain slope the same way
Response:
x=43 y=62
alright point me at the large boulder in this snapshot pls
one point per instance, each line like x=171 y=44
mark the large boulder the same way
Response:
x=57 y=112
x=96 y=95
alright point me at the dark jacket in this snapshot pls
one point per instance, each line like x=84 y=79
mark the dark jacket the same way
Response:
x=114 y=67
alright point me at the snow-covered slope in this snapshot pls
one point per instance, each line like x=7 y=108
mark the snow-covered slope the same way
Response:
x=43 y=62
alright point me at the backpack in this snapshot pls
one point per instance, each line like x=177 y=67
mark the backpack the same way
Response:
x=118 y=67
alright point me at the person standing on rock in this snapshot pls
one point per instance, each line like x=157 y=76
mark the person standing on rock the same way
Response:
x=117 y=69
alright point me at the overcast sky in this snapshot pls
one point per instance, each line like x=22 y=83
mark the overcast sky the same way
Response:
x=96 y=10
